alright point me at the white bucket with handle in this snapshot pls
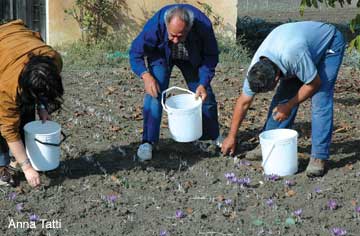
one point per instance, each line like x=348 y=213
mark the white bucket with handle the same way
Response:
x=184 y=115
x=42 y=142
x=279 y=151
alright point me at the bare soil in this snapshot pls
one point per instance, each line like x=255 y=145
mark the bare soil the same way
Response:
x=100 y=188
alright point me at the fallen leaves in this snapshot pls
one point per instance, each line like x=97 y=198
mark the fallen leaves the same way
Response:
x=290 y=192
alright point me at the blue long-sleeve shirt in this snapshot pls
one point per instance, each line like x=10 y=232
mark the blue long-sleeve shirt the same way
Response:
x=153 y=42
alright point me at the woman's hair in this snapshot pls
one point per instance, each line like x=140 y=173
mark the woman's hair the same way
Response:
x=184 y=14
x=40 y=82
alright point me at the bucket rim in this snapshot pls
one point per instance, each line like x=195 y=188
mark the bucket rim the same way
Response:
x=295 y=134
x=197 y=103
x=26 y=128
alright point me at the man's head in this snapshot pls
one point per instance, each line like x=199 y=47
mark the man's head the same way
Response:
x=40 y=82
x=179 y=21
x=262 y=76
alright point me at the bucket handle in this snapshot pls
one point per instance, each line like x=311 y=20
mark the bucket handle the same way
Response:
x=266 y=159
x=168 y=90
x=53 y=144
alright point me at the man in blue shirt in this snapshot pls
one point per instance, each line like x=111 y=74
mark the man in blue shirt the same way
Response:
x=177 y=35
x=305 y=57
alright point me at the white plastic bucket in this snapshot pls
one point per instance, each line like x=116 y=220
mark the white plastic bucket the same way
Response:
x=184 y=115
x=42 y=141
x=279 y=151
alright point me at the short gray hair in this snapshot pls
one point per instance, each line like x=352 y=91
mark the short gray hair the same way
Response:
x=184 y=14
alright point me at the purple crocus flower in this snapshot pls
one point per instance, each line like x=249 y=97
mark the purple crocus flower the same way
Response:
x=34 y=217
x=317 y=190
x=357 y=209
x=163 y=233
x=228 y=201
x=272 y=177
x=244 y=163
x=19 y=207
x=332 y=204
x=229 y=176
x=270 y=202
x=338 y=231
x=179 y=214
x=244 y=181
x=289 y=183
x=298 y=212
x=234 y=180
x=111 y=198
x=12 y=196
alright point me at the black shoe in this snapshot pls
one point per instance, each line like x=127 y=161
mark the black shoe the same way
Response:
x=7 y=177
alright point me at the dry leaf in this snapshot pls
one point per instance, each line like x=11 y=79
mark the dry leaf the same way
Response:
x=188 y=184
x=110 y=90
x=220 y=198
x=303 y=155
x=349 y=166
x=290 y=193
x=114 y=128
x=189 y=210
x=115 y=179
x=19 y=190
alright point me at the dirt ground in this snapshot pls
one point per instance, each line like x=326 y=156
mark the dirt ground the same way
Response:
x=100 y=188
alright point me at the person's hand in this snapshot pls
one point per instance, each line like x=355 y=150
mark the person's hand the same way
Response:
x=32 y=176
x=44 y=115
x=228 y=146
x=281 y=112
x=201 y=92
x=151 y=85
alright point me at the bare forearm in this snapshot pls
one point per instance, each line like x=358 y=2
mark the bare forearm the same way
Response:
x=18 y=150
x=242 y=105
x=305 y=91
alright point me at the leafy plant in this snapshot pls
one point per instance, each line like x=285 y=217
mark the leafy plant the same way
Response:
x=91 y=16
x=217 y=20
x=354 y=23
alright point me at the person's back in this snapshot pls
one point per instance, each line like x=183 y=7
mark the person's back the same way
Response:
x=291 y=41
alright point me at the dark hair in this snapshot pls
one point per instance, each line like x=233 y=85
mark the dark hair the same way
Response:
x=40 y=82
x=261 y=76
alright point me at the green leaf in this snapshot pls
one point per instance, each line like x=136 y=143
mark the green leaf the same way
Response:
x=290 y=221
x=258 y=222
x=355 y=44
x=302 y=7
x=277 y=221
x=354 y=23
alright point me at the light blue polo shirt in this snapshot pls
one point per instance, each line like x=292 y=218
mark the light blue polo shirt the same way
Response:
x=296 y=48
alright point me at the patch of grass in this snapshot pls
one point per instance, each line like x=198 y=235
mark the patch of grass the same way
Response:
x=109 y=52
x=232 y=52
x=113 y=51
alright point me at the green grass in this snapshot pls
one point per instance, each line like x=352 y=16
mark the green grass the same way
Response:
x=114 y=51
x=109 y=52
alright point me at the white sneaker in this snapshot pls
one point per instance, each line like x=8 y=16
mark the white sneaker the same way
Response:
x=144 y=152
x=219 y=140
